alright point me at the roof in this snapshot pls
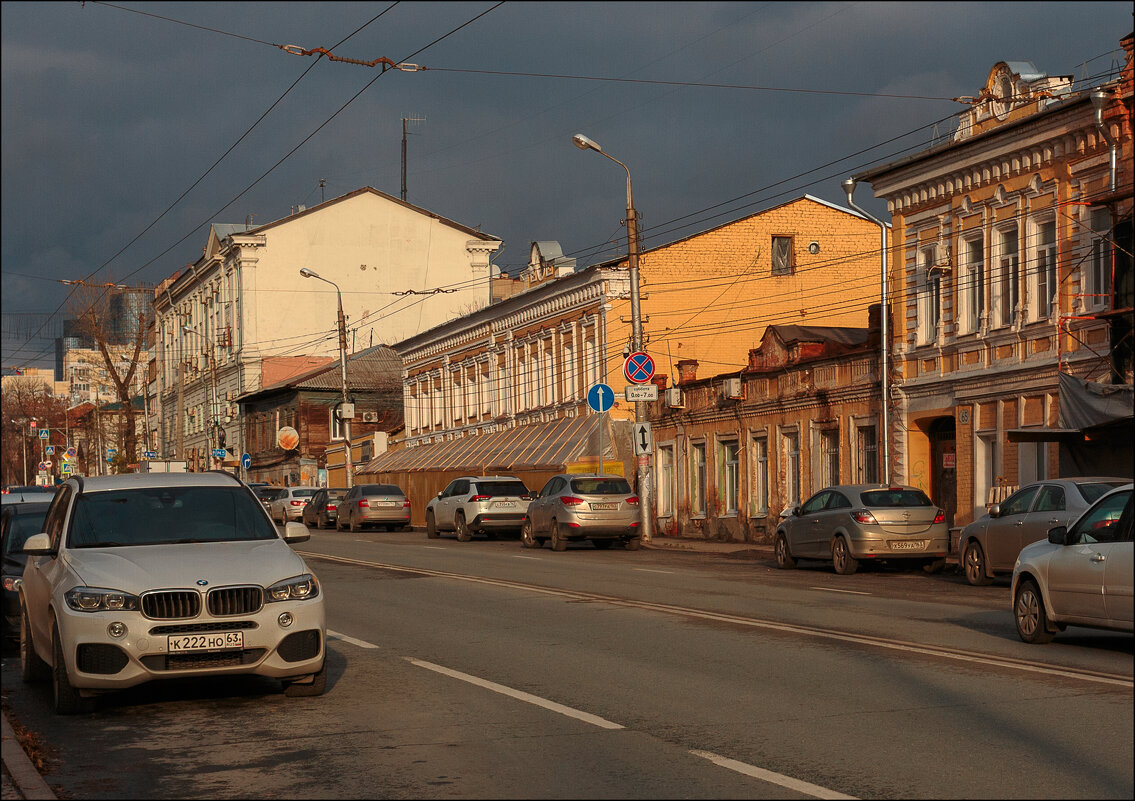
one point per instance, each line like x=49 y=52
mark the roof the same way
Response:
x=375 y=368
x=547 y=446
x=848 y=337
x=125 y=481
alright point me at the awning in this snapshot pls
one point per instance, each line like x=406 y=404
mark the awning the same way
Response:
x=1042 y=434
x=548 y=446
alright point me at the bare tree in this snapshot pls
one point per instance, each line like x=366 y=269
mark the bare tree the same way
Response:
x=26 y=399
x=116 y=326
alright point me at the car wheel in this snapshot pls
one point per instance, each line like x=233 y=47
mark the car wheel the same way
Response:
x=974 y=563
x=1029 y=614
x=339 y=523
x=463 y=532
x=353 y=525
x=933 y=566
x=602 y=544
x=558 y=541
x=527 y=537
x=32 y=668
x=845 y=563
x=633 y=544
x=317 y=686
x=67 y=698
x=431 y=526
x=784 y=558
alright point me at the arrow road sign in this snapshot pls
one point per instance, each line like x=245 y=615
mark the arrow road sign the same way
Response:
x=600 y=397
x=246 y=461
x=149 y=454
x=643 y=442
x=639 y=368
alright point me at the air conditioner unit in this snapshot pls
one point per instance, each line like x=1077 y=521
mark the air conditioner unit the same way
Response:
x=674 y=398
x=370 y=417
x=733 y=389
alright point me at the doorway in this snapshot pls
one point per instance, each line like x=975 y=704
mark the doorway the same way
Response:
x=944 y=471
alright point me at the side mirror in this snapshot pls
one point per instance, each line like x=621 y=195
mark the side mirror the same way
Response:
x=440 y=492
x=995 y=510
x=296 y=532
x=1058 y=535
x=38 y=545
x=795 y=510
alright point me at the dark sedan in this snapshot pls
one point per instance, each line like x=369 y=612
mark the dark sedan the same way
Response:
x=18 y=521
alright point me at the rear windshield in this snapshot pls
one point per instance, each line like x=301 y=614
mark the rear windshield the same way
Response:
x=167 y=515
x=381 y=489
x=265 y=492
x=600 y=486
x=510 y=489
x=20 y=527
x=1093 y=492
x=302 y=493
x=335 y=495
x=887 y=498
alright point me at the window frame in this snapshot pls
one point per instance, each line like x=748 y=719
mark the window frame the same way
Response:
x=786 y=256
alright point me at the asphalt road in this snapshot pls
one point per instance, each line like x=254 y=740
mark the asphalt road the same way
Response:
x=484 y=670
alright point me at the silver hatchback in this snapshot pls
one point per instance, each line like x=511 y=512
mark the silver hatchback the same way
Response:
x=600 y=508
x=852 y=523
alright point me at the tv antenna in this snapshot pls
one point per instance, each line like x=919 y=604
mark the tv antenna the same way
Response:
x=413 y=118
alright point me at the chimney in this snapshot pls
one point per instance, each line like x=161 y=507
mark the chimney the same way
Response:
x=687 y=371
x=659 y=381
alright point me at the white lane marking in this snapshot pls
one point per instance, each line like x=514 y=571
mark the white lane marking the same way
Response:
x=434 y=548
x=361 y=643
x=517 y=694
x=830 y=589
x=648 y=570
x=768 y=776
x=525 y=557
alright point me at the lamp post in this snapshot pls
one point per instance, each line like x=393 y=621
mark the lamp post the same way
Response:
x=642 y=468
x=214 y=424
x=884 y=330
x=346 y=412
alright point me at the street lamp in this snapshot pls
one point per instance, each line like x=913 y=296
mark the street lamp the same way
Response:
x=884 y=329
x=642 y=469
x=215 y=424
x=346 y=412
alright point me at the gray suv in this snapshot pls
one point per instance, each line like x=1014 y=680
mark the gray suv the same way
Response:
x=478 y=504
x=600 y=508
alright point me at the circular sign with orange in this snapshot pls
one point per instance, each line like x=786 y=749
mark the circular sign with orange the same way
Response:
x=288 y=438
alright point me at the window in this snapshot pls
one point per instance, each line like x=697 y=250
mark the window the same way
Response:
x=569 y=372
x=336 y=422
x=1045 y=270
x=791 y=448
x=666 y=481
x=1032 y=462
x=1019 y=502
x=591 y=363
x=1051 y=499
x=760 y=476
x=730 y=475
x=974 y=284
x=782 y=256
x=929 y=297
x=1099 y=283
x=697 y=478
x=829 y=457
x=868 y=452
x=1008 y=275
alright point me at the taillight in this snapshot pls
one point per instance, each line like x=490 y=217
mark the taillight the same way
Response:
x=940 y=517
x=571 y=500
x=364 y=503
x=478 y=498
x=331 y=507
x=406 y=504
x=297 y=503
x=864 y=516
x=633 y=500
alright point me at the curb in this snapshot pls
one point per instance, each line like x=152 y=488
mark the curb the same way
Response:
x=24 y=775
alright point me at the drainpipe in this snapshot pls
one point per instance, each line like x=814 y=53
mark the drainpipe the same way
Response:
x=884 y=334
x=1099 y=100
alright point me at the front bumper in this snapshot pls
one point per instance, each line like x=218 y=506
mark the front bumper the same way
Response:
x=97 y=661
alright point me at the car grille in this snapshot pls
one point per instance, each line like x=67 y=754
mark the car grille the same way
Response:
x=235 y=601
x=198 y=628
x=201 y=661
x=171 y=604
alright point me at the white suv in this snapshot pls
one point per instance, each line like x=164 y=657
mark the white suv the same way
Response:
x=166 y=575
x=478 y=504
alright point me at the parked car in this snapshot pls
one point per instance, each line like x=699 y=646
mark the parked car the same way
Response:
x=596 y=507
x=1081 y=575
x=165 y=575
x=478 y=505
x=266 y=494
x=18 y=521
x=25 y=494
x=852 y=523
x=288 y=503
x=323 y=509
x=990 y=546
x=374 y=505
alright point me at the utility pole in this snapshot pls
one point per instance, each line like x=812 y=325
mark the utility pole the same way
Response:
x=404 y=121
x=323 y=183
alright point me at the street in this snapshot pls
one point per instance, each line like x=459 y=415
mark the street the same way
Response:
x=485 y=670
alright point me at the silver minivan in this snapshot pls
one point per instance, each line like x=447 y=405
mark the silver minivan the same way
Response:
x=478 y=505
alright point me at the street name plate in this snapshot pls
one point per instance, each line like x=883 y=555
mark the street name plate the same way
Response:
x=641 y=392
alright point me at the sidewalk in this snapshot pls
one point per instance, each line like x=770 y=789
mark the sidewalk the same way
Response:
x=736 y=550
x=21 y=779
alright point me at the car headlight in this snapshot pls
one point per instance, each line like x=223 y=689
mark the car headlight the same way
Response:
x=95 y=599
x=300 y=588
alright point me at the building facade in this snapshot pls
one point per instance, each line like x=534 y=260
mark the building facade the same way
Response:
x=1011 y=264
x=244 y=302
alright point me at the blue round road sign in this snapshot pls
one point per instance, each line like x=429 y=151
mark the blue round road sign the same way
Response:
x=600 y=397
x=246 y=460
x=638 y=368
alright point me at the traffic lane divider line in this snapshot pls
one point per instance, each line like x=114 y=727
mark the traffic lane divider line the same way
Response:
x=334 y=635
x=788 y=782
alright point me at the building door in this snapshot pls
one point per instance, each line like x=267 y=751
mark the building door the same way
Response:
x=944 y=473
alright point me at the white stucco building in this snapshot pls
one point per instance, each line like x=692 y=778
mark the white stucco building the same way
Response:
x=401 y=269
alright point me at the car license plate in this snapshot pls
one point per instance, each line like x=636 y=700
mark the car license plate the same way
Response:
x=602 y=506
x=212 y=641
x=389 y=503
x=907 y=545
x=502 y=504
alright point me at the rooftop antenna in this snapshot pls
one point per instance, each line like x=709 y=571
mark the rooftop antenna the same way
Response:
x=405 y=120
x=322 y=183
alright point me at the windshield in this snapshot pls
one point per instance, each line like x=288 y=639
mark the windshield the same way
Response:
x=381 y=489
x=167 y=515
x=510 y=489
x=20 y=527
x=896 y=498
x=1094 y=491
x=600 y=486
